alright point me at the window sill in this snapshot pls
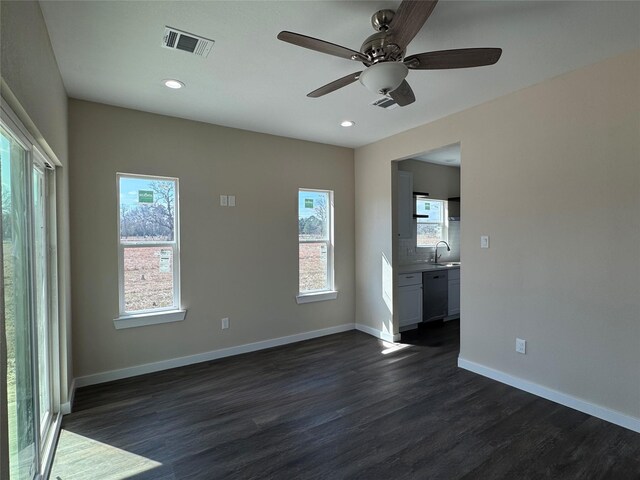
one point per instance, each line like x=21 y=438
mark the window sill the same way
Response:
x=153 y=318
x=316 y=297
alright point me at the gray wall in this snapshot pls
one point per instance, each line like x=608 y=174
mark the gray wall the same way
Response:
x=29 y=67
x=552 y=174
x=32 y=85
x=439 y=181
x=239 y=262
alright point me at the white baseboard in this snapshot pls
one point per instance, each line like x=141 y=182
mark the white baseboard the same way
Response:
x=613 y=416
x=205 y=357
x=387 y=337
x=65 y=408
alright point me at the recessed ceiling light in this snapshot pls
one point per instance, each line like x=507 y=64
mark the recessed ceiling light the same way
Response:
x=171 y=83
x=348 y=123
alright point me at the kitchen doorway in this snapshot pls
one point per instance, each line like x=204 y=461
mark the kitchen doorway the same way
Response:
x=427 y=246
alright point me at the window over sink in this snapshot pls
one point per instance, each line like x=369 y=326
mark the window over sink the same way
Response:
x=431 y=222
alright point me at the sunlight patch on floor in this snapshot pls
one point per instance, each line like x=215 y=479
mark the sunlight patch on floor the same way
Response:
x=393 y=347
x=97 y=460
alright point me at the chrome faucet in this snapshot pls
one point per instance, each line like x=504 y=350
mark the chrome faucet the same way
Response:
x=435 y=252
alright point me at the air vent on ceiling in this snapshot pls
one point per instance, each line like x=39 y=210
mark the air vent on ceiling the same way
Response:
x=187 y=42
x=385 y=102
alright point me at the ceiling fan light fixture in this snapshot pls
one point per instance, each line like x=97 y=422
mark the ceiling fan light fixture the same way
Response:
x=384 y=77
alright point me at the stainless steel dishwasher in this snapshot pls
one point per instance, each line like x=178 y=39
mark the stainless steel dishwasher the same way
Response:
x=435 y=294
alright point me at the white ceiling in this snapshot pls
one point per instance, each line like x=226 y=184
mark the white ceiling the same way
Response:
x=110 y=52
x=449 y=156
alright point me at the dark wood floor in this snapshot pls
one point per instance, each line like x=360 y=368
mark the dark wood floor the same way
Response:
x=336 y=407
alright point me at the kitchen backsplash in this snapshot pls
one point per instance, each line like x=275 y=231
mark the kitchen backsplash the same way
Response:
x=408 y=253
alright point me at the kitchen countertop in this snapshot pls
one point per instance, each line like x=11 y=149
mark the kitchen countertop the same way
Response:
x=426 y=267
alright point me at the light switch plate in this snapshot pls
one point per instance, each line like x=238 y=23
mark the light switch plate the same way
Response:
x=223 y=200
x=484 y=241
x=232 y=200
x=225 y=323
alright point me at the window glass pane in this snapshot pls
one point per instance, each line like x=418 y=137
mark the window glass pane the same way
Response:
x=17 y=315
x=433 y=208
x=428 y=234
x=313 y=208
x=148 y=278
x=147 y=208
x=313 y=266
x=430 y=230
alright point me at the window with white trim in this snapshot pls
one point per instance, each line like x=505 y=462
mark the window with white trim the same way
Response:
x=431 y=222
x=148 y=244
x=315 y=242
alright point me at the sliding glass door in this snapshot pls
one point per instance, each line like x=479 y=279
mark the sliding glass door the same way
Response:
x=21 y=387
x=26 y=262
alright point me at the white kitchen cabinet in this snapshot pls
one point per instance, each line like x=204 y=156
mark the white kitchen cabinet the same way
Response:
x=409 y=300
x=405 y=204
x=454 y=294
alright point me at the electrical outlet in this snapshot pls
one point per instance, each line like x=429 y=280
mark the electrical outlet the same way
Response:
x=521 y=346
x=225 y=323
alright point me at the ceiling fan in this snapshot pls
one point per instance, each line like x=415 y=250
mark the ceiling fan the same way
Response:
x=383 y=53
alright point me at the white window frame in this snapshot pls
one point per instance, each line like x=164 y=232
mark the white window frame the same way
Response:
x=173 y=313
x=328 y=293
x=444 y=223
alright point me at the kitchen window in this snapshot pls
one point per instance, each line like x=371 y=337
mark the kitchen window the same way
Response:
x=315 y=246
x=431 y=222
x=148 y=250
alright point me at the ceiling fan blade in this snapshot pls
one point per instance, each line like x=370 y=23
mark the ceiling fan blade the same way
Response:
x=320 y=46
x=460 y=58
x=335 y=85
x=403 y=95
x=408 y=20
